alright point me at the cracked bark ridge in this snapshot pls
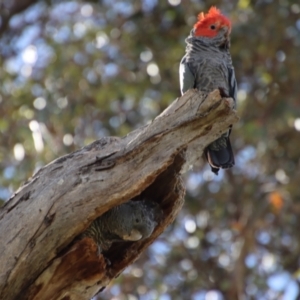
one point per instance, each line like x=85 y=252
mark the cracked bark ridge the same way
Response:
x=41 y=259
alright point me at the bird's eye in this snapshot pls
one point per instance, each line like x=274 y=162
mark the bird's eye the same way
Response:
x=137 y=220
x=213 y=27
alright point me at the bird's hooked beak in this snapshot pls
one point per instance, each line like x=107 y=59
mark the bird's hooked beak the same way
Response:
x=134 y=235
x=226 y=30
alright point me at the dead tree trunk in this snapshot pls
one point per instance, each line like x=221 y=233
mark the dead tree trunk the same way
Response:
x=39 y=258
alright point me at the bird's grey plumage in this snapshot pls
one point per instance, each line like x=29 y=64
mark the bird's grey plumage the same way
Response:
x=207 y=66
x=131 y=221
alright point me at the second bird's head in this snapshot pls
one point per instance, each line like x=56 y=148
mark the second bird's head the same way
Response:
x=213 y=24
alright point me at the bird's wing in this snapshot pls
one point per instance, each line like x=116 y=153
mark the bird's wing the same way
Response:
x=232 y=89
x=186 y=77
x=232 y=85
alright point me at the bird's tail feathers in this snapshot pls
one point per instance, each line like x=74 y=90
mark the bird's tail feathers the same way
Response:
x=220 y=159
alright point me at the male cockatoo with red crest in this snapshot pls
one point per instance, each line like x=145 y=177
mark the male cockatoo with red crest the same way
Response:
x=207 y=66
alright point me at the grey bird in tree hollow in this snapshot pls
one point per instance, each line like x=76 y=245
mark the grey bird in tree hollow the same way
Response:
x=207 y=66
x=131 y=221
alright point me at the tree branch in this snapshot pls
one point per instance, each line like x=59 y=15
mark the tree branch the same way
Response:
x=41 y=259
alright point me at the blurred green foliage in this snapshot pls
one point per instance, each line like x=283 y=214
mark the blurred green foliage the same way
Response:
x=72 y=72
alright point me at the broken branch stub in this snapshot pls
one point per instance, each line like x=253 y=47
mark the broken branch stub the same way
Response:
x=41 y=258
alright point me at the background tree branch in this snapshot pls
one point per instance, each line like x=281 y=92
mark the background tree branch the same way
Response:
x=9 y=8
x=41 y=260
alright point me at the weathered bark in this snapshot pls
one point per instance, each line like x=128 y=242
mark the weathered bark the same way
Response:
x=40 y=256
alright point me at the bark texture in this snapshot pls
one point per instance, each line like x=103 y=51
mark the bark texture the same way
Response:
x=40 y=255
